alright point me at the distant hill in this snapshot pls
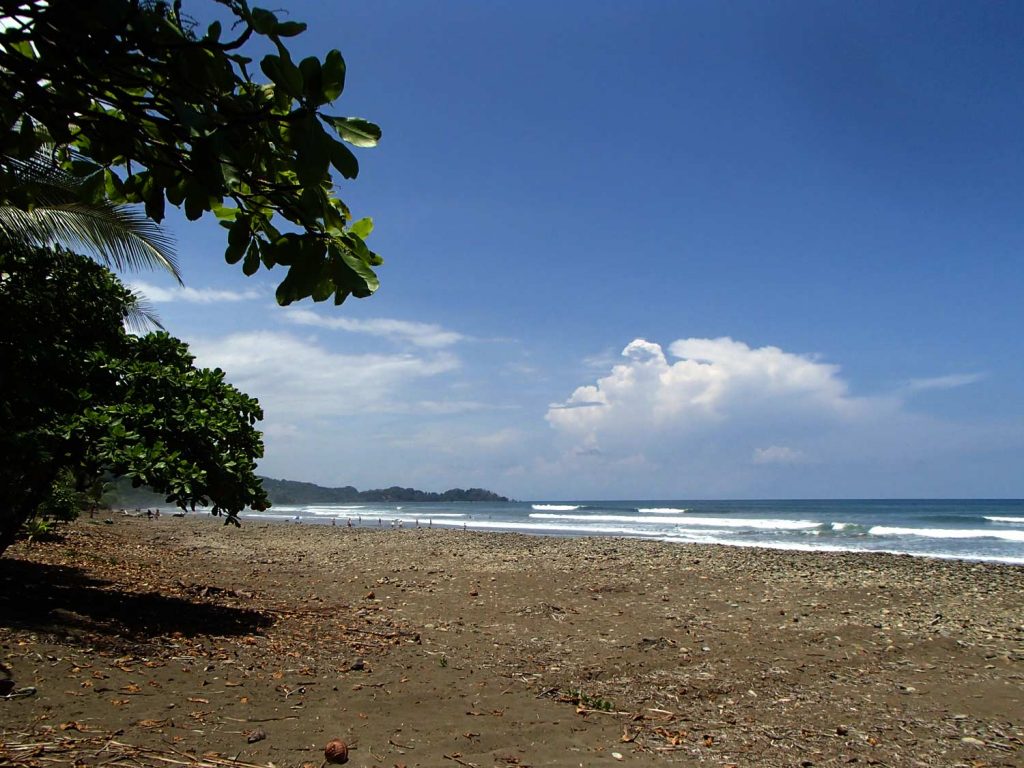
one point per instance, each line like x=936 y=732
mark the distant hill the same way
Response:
x=295 y=492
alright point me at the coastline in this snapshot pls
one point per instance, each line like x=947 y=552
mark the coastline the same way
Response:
x=435 y=647
x=976 y=530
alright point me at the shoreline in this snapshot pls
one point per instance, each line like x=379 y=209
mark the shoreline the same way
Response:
x=411 y=643
x=441 y=522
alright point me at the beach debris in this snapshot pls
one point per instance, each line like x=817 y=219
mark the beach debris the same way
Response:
x=336 y=752
x=256 y=734
x=617 y=755
x=20 y=693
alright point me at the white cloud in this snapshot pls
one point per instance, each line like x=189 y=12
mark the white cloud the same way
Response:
x=426 y=335
x=716 y=416
x=713 y=381
x=298 y=378
x=951 y=381
x=160 y=295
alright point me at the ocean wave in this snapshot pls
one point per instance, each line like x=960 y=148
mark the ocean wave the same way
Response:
x=661 y=510
x=1003 y=519
x=555 y=507
x=803 y=547
x=720 y=522
x=489 y=525
x=946 y=533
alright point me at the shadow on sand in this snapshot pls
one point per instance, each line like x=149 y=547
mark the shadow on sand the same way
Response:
x=67 y=601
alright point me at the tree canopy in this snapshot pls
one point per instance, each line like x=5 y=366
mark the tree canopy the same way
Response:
x=142 y=106
x=81 y=394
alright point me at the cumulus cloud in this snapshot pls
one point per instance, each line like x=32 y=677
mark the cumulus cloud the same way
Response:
x=717 y=416
x=160 y=295
x=295 y=377
x=426 y=335
x=709 y=383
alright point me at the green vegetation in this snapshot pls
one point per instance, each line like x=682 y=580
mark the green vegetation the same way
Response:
x=116 y=102
x=293 y=492
x=82 y=396
x=581 y=699
x=122 y=494
x=137 y=104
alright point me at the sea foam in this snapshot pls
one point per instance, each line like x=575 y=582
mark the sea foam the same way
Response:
x=661 y=511
x=555 y=507
x=1001 y=519
x=947 y=533
x=718 y=522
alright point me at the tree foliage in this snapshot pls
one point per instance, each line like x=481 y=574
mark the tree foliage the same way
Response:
x=143 y=107
x=81 y=394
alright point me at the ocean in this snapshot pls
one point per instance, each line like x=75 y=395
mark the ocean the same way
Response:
x=984 y=530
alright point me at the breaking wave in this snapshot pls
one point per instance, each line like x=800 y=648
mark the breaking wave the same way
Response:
x=946 y=533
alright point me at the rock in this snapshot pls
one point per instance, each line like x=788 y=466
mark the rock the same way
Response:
x=336 y=752
x=255 y=735
x=971 y=741
x=358 y=665
x=842 y=730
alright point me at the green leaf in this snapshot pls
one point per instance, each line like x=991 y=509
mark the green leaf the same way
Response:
x=362 y=228
x=251 y=263
x=153 y=197
x=239 y=235
x=343 y=160
x=333 y=75
x=313 y=147
x=263 y=21
x=312 y=82
x=284 y=74
x=355 y=130
x=290 y=28
x=196 y=200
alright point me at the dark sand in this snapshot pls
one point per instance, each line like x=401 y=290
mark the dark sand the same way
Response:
x=159 y=642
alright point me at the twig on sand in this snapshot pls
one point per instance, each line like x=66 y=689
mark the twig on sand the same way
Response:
x=119 y=753
x=588 y=710
x=460 y=761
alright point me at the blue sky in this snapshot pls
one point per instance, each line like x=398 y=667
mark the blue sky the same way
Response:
x=801 y=222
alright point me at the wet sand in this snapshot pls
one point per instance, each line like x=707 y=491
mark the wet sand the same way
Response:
x=178 y=640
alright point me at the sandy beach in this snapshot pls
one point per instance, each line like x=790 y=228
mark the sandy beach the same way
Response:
x=181 y=642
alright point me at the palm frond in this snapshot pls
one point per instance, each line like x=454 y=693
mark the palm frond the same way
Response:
x=117 y=235
x=141 y=316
